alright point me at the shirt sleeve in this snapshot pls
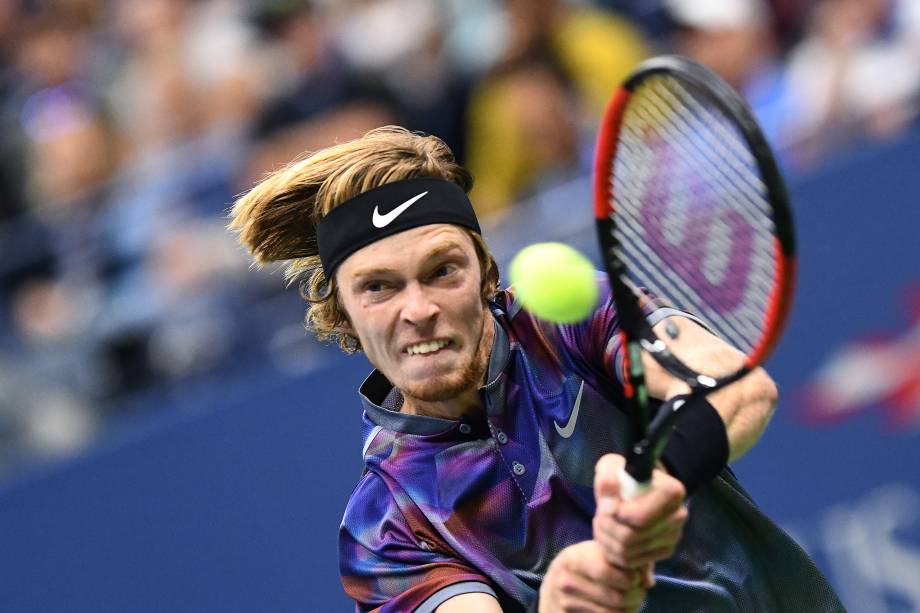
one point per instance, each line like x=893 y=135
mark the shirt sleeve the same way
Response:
x=594 y=347
x=387 y=565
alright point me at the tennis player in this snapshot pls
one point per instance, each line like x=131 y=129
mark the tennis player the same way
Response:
x=491 y=438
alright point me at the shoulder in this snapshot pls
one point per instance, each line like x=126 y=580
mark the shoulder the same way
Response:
x=379 y=501
x=529 y=332
x=370 y=502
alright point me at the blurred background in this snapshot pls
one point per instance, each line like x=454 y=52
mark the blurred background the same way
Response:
x=172 y=439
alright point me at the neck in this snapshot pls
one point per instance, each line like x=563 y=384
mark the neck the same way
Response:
x=467 y=404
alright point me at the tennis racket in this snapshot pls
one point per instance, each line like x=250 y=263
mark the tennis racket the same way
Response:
x=689 y=204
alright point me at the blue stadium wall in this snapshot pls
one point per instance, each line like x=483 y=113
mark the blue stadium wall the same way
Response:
x=229 y=498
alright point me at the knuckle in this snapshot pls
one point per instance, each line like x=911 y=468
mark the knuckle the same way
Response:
x=601 y=525
x=608 y=461
x=615 y=598
x=681 y=515
x=567 y=585
x=606 y=470
x=676 y=489
x=616 y=548
x=594 y=572
x=568 y=555
x=640 y=518
x=606 y=546
x=569 y=603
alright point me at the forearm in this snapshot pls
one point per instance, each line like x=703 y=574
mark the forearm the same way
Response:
x=745 y=406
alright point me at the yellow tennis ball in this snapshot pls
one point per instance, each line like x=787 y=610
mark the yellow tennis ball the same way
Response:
x=554 y=282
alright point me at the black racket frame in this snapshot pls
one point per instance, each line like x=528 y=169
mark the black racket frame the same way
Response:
x=649 y=439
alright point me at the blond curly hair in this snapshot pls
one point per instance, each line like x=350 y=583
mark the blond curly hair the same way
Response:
x=277 y=219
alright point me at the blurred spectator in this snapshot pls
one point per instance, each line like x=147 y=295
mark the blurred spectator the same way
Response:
x=560 y=65
x=129 y=126
x=316 y=96
x=397 y=47
x=354 y=65
x=515 y=144
x=736 y=38
x=858 y=71
x=191 y=68
x=12 y=167
x=71 y=152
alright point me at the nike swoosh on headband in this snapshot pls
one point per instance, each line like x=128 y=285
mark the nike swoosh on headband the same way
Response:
x=382 y=221
x=567 y=430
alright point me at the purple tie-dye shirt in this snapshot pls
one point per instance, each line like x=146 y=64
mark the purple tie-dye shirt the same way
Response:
x=448 y=507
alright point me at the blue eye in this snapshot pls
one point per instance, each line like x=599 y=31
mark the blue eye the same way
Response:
x=444 y=270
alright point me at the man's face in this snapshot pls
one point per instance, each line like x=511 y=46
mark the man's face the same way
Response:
x=414 y=302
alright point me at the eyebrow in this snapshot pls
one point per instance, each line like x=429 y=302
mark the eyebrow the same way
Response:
x=436 y=252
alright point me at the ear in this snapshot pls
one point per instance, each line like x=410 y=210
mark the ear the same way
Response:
x=344 y=325
x=348 y=340
x=345 y=328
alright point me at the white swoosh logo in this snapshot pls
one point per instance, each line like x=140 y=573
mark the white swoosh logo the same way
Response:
x=382 y=221
x=569 y=428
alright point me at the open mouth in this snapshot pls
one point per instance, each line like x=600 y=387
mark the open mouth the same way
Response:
x=427 y=347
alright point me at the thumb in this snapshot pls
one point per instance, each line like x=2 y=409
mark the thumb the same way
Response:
x=607 y=482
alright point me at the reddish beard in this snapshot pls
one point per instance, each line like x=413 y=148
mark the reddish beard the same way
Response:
x=467 y=376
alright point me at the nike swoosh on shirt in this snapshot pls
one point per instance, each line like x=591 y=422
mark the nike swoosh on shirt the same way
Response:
x=382 y=221
x=567 y=430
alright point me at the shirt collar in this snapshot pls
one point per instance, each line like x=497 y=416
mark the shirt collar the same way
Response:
x=380 y=399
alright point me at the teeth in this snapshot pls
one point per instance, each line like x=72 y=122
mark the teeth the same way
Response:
x=426 y=347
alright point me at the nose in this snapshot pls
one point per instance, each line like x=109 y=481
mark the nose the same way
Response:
x=419 y=308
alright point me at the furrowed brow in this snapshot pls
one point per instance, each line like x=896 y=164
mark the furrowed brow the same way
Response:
x=443 y=249
x=440 y=250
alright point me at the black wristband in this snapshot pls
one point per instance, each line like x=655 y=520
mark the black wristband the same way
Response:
x=698 y=448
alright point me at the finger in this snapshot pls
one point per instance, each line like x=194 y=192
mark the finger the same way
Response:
x=674 y=523
x=665 y=534
x=634 y=561
x=607 y=475
x=622 y=543
x=649 y=557
x=633 y=556
x=607 y=527
x=661 y=500
x=669 y=532
x=648 y=576
x=583 y=592
x=612 y=543
x=592 y=564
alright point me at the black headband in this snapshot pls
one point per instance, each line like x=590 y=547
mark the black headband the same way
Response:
x=386 y=210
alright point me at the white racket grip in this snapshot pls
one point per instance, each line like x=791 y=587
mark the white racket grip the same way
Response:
x=629 y=487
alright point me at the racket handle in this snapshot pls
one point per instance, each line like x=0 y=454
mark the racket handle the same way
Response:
x=629 y=487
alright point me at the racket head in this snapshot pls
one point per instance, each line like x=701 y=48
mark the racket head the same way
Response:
x=689 y=202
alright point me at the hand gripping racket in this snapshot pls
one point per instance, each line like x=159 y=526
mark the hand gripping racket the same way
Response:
x=690 y=204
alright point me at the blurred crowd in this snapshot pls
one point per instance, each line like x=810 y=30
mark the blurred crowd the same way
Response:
x=127 y=128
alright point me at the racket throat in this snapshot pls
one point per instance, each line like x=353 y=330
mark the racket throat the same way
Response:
x=643 y=455
x=640 y=461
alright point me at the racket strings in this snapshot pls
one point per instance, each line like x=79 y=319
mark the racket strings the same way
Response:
x=717 y=131
x=638 y=258
x=717 y=261
x=692 y=218
x=736 y=330
x=683 y=140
